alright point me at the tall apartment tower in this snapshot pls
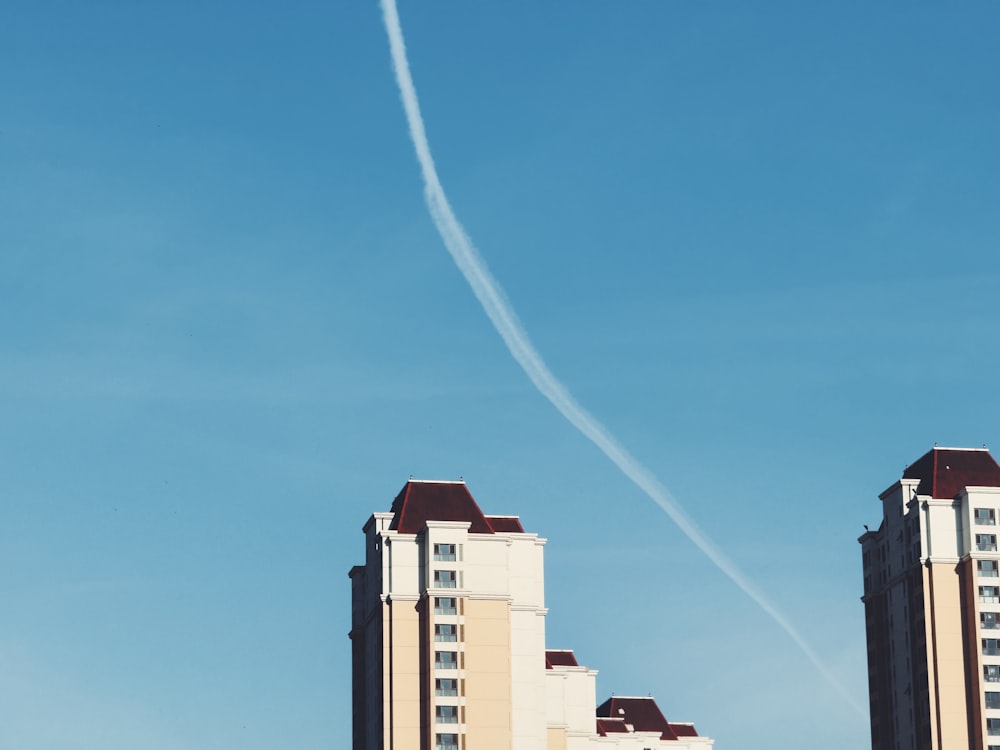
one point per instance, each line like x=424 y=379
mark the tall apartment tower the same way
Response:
x=448 y=641
x=932 y=606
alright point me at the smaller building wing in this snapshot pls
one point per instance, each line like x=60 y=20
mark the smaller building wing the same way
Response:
x=642 y=713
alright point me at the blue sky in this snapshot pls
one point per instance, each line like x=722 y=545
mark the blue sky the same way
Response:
x=758 y=244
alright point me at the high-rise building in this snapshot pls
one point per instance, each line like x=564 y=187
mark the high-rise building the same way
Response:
x=448 y=641
x=932 y=606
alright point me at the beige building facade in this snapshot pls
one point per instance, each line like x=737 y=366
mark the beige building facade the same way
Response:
x=448 y=641
x=932 y=606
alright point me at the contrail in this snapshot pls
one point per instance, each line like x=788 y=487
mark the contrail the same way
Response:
x=500 y=311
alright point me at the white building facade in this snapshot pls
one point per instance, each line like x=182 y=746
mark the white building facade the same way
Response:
x=448 y=640
x=932 y=606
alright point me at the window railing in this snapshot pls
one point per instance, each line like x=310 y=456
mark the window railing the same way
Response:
x=991 y=678
x=445 y=605
x=445 y=579
x=989 y=599
x=991 y=650
x=986 y=546
x=444 y=552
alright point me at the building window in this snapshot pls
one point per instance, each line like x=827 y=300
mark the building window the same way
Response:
x=991 y=646
x=986 y=517
x=446 y=714
x=445 y=579
x=989 y=620
x=445 y=633
x=993 y=727
x=992 y=700
x=445 y=552
x=987 y=568
x=991 y=673
x=446 y=742
x=986 y=542
x=989 y=594
x=449 y=659
x=445 y=605
x=450 y=686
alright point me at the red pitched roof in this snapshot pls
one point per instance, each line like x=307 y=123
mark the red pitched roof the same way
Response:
x=560 y=658
x=642 y=713
x=683 y=730
x=506 y=524
x=943 y=472
x=610 y=725
x=421 y=501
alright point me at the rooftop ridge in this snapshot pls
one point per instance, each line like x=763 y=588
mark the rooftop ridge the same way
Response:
x=639 y=697
x=436 y=481
x=957 y=448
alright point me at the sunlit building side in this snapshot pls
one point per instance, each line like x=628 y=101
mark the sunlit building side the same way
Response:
x=448 y=641
x=932 y=606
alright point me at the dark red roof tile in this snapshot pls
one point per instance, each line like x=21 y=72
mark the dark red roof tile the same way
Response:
x=608 y=726
x=683 y=730
x=419 y=502
x=506 y=524
x=642 y=713
x=560 y=658
x=943 y=472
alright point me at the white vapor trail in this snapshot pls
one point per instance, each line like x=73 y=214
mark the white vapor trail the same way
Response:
x=500 y=311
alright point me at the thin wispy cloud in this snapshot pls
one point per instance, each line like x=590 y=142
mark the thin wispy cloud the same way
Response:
x=501 y=313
